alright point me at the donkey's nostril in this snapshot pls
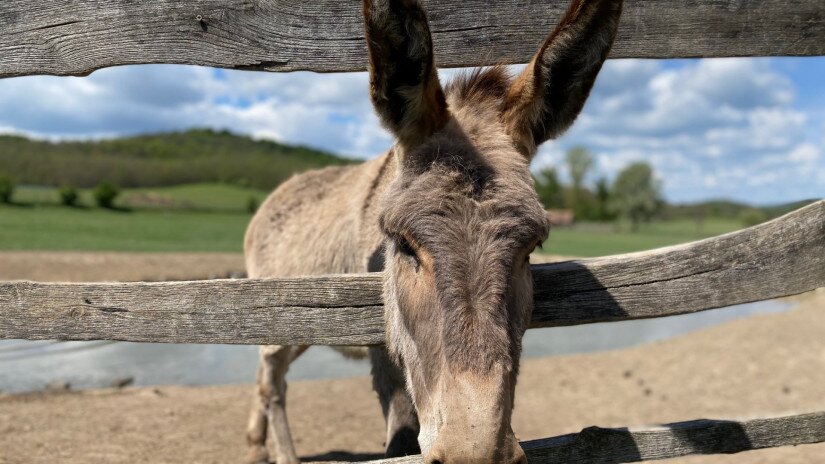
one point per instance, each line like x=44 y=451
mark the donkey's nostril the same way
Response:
x=435 y=461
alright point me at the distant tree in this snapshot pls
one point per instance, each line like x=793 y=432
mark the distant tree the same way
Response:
x=752 y=217
x=579 y=161
x=549 y=189
x=68 y=195
x=105 y=194
x=6 y=189
x=603 y=200
x=636 y=194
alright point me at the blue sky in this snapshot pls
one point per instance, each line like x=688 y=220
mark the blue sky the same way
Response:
x=750 y=129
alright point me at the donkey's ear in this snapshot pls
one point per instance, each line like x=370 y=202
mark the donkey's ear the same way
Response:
x=548 y=96
x=404 y=83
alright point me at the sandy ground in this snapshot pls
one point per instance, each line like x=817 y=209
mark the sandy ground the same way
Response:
x=763 y=365
x=71 y=266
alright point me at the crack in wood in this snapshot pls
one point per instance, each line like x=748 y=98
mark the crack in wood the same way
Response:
x=263 y=65
x=52 y=26
x=110 y=309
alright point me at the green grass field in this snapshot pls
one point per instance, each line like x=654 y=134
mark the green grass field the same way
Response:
x=94 y=229
x=37 y=223
x=606 y=239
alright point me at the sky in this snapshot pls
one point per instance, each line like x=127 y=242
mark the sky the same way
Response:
x=748 y=129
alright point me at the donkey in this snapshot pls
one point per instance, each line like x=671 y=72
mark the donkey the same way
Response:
x=451 y=216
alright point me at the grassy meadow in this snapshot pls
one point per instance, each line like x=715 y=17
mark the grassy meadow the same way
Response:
x=196 y=217
x=599 y=239
x=213 y=217
x=82 y=229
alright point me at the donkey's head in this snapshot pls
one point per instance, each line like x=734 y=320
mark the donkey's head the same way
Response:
x=462 y=217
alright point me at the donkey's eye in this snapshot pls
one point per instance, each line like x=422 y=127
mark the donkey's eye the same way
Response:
x=403 y=246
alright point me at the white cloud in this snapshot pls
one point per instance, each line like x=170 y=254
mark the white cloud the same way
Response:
x=804 y=153
x=709 y=127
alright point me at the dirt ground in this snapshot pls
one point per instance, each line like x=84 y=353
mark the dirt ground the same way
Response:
x=72 y=266
x=762 y=365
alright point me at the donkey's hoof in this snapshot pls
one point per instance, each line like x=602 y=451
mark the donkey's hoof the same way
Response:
x=287 y=460
x=257 y=455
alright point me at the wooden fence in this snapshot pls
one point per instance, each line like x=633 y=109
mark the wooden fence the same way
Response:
x=70 y=37
x=783 y=257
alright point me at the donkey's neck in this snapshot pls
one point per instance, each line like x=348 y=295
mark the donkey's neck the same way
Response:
x=382 y=172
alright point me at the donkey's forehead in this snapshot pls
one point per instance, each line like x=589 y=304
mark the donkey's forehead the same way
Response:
x=463 y=201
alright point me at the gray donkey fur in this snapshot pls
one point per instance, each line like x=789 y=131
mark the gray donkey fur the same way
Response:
x=450 y=215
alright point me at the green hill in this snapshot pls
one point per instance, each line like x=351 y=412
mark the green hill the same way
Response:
x=194 y=156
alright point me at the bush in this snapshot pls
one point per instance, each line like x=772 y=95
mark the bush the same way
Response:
x=105 y=194
x=68 y=196
x=752 y=217
x=6 y=189
x=252 y=204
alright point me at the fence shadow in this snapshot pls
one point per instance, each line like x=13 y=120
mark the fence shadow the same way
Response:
x=596 y=445
x=706 y=436
x=342 y=456
x=568 y=293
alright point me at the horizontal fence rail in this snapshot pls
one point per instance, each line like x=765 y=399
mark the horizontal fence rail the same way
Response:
x=69 y=37
x=596 y=445
x=782 y=257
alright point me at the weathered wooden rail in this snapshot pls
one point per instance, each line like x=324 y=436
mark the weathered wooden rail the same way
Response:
x=783 y=257
x=596 y=445
x=69 y=37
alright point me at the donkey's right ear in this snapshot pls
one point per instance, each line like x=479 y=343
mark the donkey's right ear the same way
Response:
x=548 y=96
x=404 y=83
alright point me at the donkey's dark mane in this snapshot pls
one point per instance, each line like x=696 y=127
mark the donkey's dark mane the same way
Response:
x=480 y=85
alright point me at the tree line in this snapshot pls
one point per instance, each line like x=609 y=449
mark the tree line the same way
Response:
x=634 y=195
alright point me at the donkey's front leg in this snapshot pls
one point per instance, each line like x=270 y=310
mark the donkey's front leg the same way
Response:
x=269 y=407
x=399 y=411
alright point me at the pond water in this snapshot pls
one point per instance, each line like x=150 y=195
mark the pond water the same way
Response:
x=26 y=366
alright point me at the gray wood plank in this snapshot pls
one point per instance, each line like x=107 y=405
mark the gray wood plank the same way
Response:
x=783 y=257
x=596 y=445
x=70 y=37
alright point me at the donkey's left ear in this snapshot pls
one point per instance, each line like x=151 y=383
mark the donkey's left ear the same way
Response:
x=548 y=96
x=404 y=85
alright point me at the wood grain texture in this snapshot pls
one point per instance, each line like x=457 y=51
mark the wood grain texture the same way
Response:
x=782 y=257
x=596 y=445
x=70 y=37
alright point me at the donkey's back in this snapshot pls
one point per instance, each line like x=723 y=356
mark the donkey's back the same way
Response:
x=318 y=222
